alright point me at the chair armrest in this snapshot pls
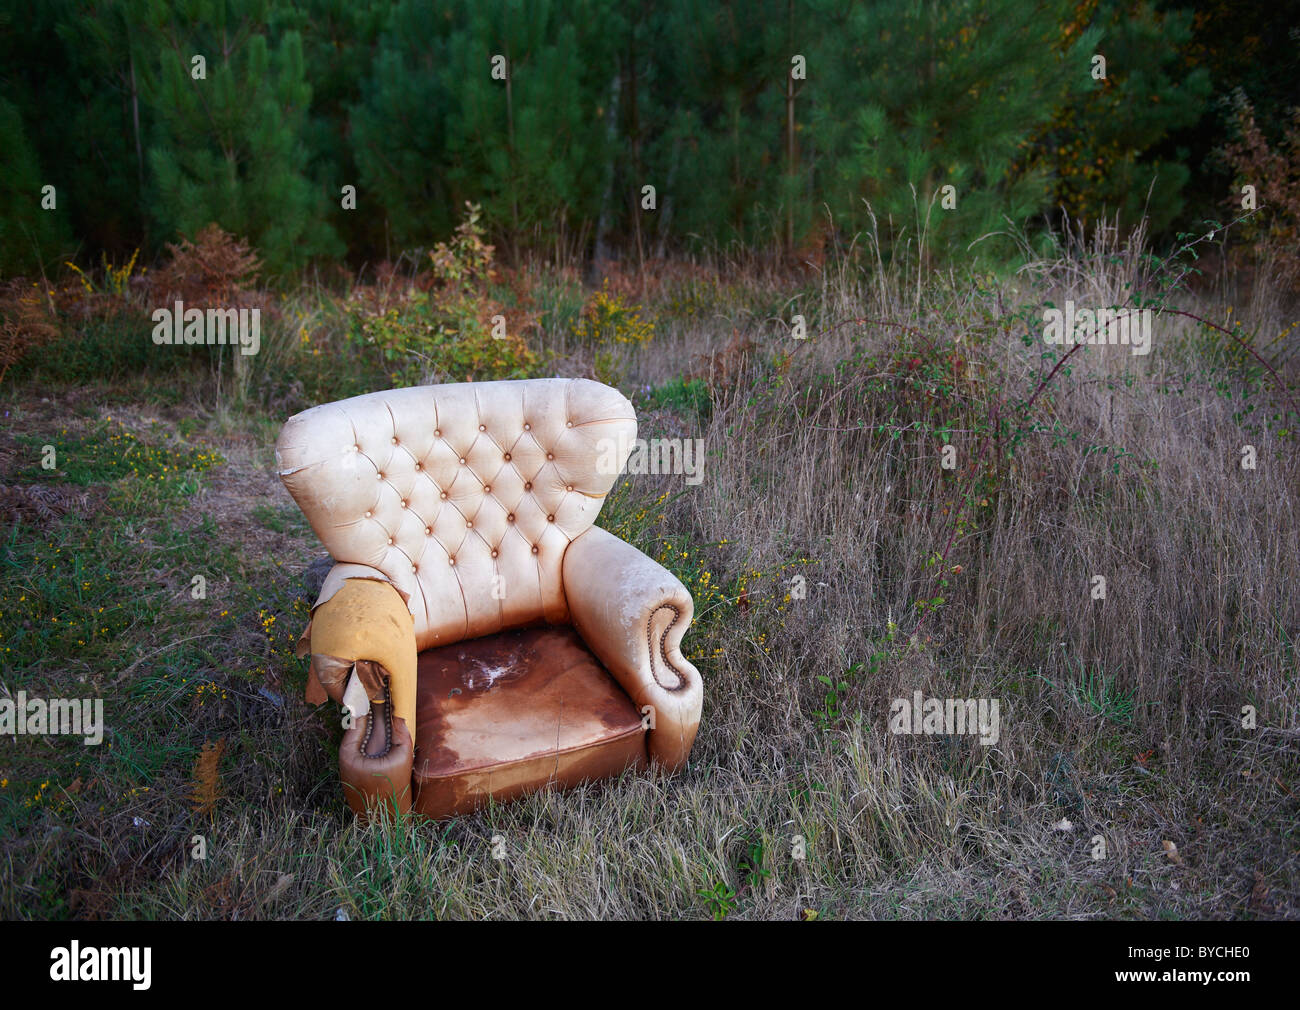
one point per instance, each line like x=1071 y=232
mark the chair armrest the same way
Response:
x=363 y=627
x=632 y=613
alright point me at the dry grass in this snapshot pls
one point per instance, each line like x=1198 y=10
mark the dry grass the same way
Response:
x=1122 y=716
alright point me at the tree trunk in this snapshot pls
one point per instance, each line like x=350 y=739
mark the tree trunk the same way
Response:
x=603 y=250
x=135 y=117
x=789 y=135
x=666 y=201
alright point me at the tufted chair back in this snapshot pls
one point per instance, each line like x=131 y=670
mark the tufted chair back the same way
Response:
x=464 y=496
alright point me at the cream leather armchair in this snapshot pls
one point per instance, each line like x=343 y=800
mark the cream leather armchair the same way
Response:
x=486 y=636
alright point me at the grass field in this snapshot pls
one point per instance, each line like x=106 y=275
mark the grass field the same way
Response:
x=836 y=565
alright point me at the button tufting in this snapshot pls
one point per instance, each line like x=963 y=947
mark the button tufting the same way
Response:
x=428 y=531
x=568 y=424
x=482 y=427
x=419 y=466
x=507 y=457
x=469 y=524
x=379 y=476
x=357 y=448
x=394 y=440
x=367 y=515
x=528 y=427
x=403 y=503
x=462 y=461
x=494 y=554
x=510 y=518
x=528 y=486
x=534 y=548
x=437 y=433
x=452 y=561
x=550 y=455
x=390 y=541
x=443 y=496
x=568 y=487
x=487 y=488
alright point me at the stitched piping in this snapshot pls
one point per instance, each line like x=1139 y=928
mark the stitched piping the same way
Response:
x=663 y=654
x=388 y=726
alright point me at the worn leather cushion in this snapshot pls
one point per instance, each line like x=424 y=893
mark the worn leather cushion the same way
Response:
x=505 y=714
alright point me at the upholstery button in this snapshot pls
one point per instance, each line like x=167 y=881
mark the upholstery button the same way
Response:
x=390 y=541
x=550 y=455
x=403 y=504
x=469 y=524
x=494 y=554
x=534 y=548
x=394 y=440
x=568 y=424
x=528 y=486
x=487 y=488
x=379 y=476
x=415 y=568
x=419 y=466
x=428 y=531
x=510 y=518
x=357 y=448
x=367 y=515
x=443 y=496
x=568 y=487
x=482 y=427
x=452 y=561
x=528 y=427
x=550 y=519
x=507 y=457
x=437 y=433
x=462 y=461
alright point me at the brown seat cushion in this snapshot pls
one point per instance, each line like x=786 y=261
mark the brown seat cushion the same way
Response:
x=504 y=714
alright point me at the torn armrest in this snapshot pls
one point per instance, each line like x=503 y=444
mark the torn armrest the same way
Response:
x=364 y=629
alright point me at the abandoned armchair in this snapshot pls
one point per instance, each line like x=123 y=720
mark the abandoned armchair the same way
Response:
x=486 y=637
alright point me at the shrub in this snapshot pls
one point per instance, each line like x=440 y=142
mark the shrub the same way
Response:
x=419 y=340
x=1274 y=171
x=442 y=327
x=609 y=319
x=27 y=321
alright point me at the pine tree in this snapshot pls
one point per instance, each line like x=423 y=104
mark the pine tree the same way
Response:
x=1108 y=144
x=229 y=147
x=339 y=38
x=398 y=125
x=528 y=145
x=31 y=238
x=934 y=95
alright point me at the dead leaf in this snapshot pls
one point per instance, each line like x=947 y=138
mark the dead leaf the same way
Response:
x=207 y=777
